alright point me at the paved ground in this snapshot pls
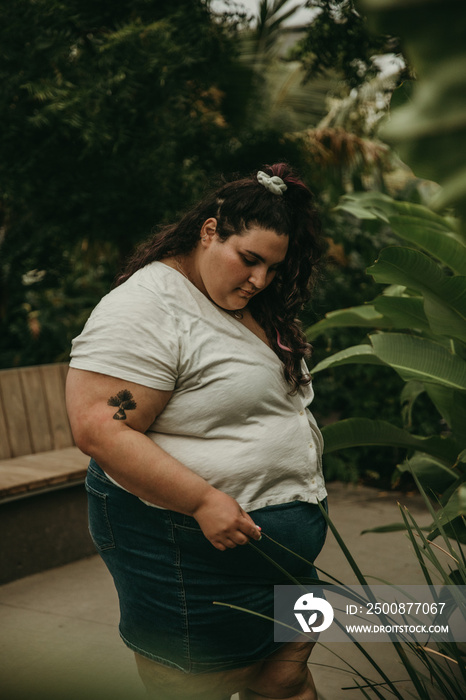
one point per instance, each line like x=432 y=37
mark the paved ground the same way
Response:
x=58 y=629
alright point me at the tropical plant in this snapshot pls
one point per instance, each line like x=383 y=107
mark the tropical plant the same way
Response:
x=341 y=155
x=419 y=319
x=433 y=671
x=420 y=333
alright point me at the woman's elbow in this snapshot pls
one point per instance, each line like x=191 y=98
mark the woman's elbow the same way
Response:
x=83 y=436
x=87 y=428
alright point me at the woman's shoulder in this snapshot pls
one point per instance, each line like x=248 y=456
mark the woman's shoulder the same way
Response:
x=142 y=301
x=153 y=279
x=173 y=292
x=151 y=286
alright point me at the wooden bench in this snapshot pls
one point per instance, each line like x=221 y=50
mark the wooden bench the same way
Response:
x=37 y=450
x=39 y=463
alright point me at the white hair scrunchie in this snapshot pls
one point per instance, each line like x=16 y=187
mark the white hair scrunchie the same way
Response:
x=273 y=183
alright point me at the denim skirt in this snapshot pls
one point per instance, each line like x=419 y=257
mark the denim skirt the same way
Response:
x=169 y=578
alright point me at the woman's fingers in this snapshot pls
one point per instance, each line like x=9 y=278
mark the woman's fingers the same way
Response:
x=251 y=530
x=225 y=524
x=239 y=538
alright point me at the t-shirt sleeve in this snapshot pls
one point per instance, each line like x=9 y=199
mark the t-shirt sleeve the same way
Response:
x=130 y=335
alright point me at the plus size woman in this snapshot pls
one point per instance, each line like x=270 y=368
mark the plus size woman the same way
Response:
x=189 y=390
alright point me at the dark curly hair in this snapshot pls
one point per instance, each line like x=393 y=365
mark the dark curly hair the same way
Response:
x=238 y=205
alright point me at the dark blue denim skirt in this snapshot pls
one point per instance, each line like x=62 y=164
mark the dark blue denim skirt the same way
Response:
x=168 y=576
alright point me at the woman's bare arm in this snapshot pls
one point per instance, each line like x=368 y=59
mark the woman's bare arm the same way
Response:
x=109 y=417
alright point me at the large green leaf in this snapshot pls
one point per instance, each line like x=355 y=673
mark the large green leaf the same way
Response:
x=403 y=312
x=432 y=472
x=445 y=296
x=451 y=405
x=452 y=516
x=355 y=432
x=444 y=320
x=362 y=316
x=421 y=359
x=411 y=391
x=413 y=222
x=358 y=354
x=436 y=240
x=385 y=312
x=366 y=206
x=376 y=205
x=411 y=356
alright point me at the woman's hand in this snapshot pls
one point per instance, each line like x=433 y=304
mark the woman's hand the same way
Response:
x=224 y=522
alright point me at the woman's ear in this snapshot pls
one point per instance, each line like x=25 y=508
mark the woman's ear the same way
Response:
x=208 y=231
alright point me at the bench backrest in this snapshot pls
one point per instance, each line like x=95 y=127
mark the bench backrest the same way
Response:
x=33 y=414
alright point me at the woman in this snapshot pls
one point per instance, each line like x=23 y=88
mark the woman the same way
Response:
x=189 y=391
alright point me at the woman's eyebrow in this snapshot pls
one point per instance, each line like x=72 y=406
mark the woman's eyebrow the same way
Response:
x=259 y=257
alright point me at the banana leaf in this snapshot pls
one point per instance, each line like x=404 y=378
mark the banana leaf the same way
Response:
x=451 y=405
x=412 y=357
x=361 y=316
x=452 y=517
x=385 y=312
x=357 y=354
x=403 y=312
x=446 y=305
x=443 y=245
x=432 y=472
x=444 y=320
x=376 y=205
x=414 y=223
x=410 y=392
x=356 y=432
x=420 y=359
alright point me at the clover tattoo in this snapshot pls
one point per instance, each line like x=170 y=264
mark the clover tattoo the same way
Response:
x=125 y=402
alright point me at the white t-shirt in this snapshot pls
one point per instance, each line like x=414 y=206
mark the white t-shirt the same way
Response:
x=231 y=418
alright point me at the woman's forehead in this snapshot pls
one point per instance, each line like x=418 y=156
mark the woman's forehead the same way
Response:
x=265 y=243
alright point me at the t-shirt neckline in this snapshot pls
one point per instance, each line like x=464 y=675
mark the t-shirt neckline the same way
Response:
x=223 y=313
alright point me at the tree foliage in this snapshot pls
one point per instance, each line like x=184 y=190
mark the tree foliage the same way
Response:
x=339 y=39
x=100 y=94
x=113 y=119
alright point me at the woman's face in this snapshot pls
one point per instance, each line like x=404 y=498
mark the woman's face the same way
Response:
x=231 y=272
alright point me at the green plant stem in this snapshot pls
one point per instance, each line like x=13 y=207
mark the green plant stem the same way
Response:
x=417 y=551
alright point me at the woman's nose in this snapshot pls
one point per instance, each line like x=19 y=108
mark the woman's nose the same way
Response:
x=258 y=277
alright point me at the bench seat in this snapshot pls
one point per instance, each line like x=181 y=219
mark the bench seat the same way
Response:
x=20 y=476
x=43 y=503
